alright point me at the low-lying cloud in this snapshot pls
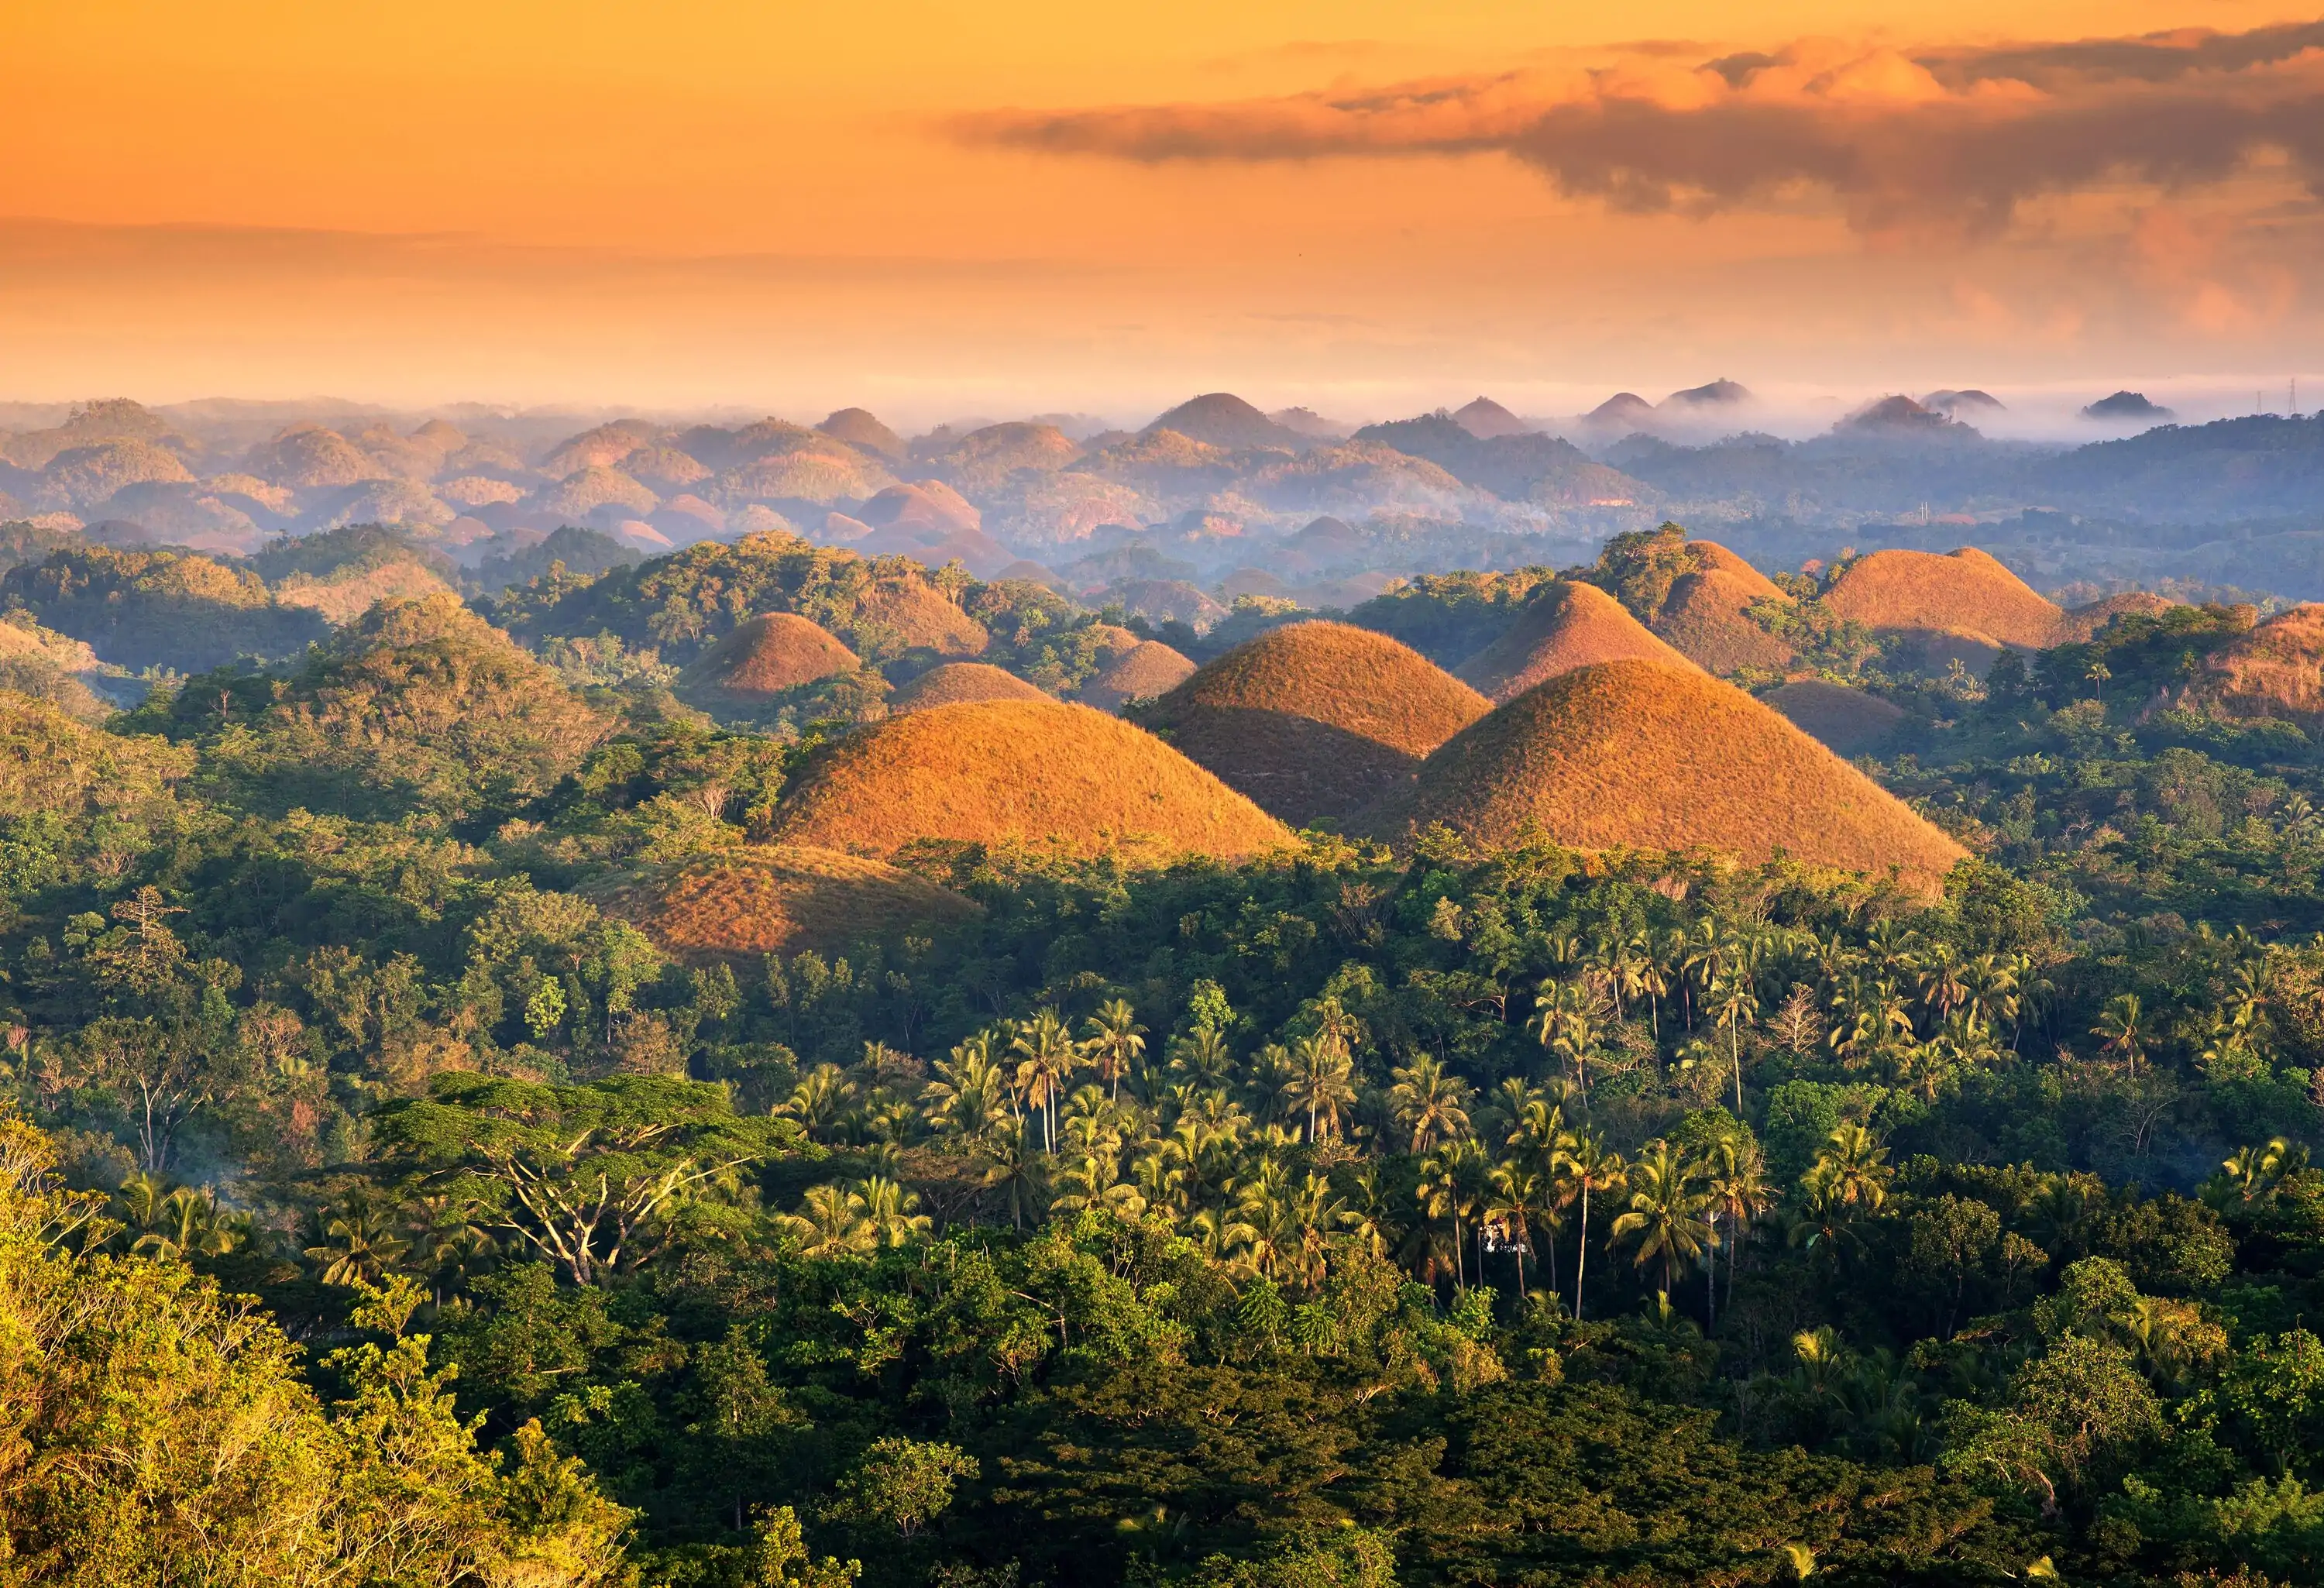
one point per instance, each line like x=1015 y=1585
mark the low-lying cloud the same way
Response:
x=1908 y=141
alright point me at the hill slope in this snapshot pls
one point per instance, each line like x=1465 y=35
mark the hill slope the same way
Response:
x=1645 y=754
x=2273 y=670
x=1849 y=722
x=1315 y=719
x=956 y=682
x=1018 y=771
x=1147 y=668
x=770 y=653
x=1960 y=592
x=1566 y=626
x=1708 y=619
x=778 y=899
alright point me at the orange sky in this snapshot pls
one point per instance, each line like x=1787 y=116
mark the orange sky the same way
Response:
x=937 y=208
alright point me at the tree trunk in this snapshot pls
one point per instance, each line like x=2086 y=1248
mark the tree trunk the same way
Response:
x=1582 y=1252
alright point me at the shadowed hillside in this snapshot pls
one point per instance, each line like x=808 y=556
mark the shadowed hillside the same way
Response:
x=1315 y=719
x=1645 y=754
x=1148 y=668
x=1018 y=771
x=746 y=903
x=1849 y=722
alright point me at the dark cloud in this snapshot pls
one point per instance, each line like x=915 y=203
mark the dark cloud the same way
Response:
x=1931 y=140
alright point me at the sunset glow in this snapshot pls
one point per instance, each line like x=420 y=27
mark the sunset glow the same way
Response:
x=1360 y=206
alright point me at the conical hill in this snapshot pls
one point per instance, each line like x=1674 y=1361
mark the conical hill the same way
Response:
x=1033 y=773
x=958 y=683
x=1568 y=626
x=1960 y=592
x=1315 y=719
x=1652 y=755
x=763 y=657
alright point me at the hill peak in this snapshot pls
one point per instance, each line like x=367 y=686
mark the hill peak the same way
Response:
x=1221 y=419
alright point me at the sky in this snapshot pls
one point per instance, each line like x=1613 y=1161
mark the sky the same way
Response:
x=937 y=209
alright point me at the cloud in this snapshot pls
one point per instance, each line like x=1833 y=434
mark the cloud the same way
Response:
x=1932 y=141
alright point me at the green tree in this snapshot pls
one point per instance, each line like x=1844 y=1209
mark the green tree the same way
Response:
x=902 y=1483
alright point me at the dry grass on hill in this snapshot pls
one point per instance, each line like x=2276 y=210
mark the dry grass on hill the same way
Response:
x=1847 y=721
x=1148 y=668
x=956 y=683
x=1568 y=626
x=748 y=903
x=1960 y=592
x=1018 y=771
x=347 y=595
x=2275 y=670
x=1649 y=755
x=1712 y=557
x=921 y=617
x=1315 y=719
x=765 y=656
x=1708 y=618
x=2083 y=622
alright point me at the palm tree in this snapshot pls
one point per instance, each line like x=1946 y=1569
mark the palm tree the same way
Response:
x=2121 y=1029
x=358 y=1243
x=1854 y=1167
x=1113 y=1041
x=1321 y=1081
x=892 y=1211
x=1665 y=1215
x=820 y=1100
x=831 y=1221
x=1740 y=1193
x=1705 y=955
x=1429 y=1103
x=1587 y=1166
x=1203 y=1056
x=1942 y=979
x=1453 y=1184
x=1014 y=1169
x=1520 y=1195
x=970 y=1096
x=1733 y=1003
x=1045 y=1057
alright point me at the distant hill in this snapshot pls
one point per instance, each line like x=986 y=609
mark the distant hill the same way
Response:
x=862 y=430
x=1485 y=419
x=1315 y=719
x=1524 y=466
x=2127 y=407
x=1221 y=419
x=1720 y=394
x=1035 y=773
x=1645 y=754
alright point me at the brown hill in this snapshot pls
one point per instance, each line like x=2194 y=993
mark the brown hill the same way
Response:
x=1707 y=616
x=2083 y=622
x=1649 y=755
x=1845 y=721
x=1568 y=626
x=1315 y=719
x=862 y=429
x=909 y=614
x=777 y=898
x=595 y=486
x=925 y=505
x=1711 y=556
x=1963 y=591
x=1018 y=771
x=308 y=455
x=1148 y=668
x=763 y=657
x=2273 y=670
x=958 y=682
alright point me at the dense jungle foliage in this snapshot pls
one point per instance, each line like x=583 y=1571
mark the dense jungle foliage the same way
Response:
x=1529 y=1217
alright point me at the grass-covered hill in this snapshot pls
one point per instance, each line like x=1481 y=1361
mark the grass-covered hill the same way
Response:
x=1315 y=719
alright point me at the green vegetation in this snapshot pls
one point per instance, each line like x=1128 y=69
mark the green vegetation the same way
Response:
x=1488 y=1214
